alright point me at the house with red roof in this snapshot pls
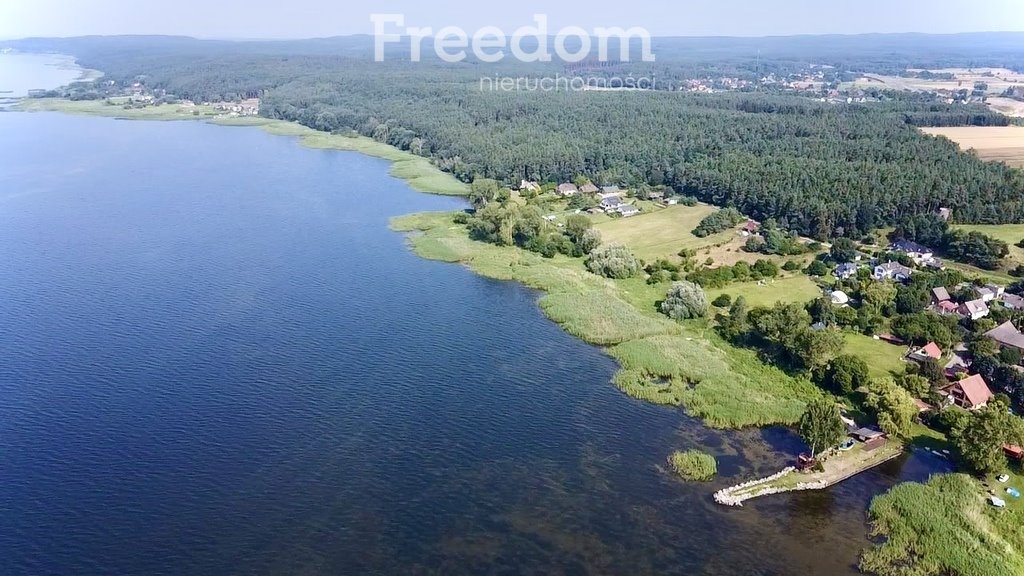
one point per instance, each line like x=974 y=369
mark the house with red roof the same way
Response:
x=971 y=393
x=929 y=351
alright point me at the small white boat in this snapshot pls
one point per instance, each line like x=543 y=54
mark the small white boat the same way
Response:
x=1003 y=478
x=997 y=502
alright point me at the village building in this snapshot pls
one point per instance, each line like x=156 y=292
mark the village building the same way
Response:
x=971 y=393
x=528 y=186
x=845 y=271
x=975 y=309
x=940 y=294
x=989 y=292
x=930 y=351
x=915 y=251
x=840 y=298
x=750 y=227
x=628 y=210
x=611 y=203
x=1013 y=301
x=892 y=271
x=947 y=307
x=567 y=189
x=611 y=191
x=589 y=188
x=1006 y=334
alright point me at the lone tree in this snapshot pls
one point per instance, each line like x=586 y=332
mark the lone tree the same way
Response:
x=613 y=261
x=893 y=406
x=684 y=301
x=821 y=426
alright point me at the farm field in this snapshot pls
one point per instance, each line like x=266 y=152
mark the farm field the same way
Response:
x=662 y=234
x=994 y=143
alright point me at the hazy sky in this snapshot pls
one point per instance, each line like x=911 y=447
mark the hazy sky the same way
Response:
x=316 y=18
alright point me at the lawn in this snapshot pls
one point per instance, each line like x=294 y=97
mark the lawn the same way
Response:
x=1009 y=233
x=799 y=288
x=662 y=233
x=882 y=358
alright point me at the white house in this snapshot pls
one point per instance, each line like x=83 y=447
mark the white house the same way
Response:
x=892 y=271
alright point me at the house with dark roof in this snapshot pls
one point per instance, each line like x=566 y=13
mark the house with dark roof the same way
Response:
x=1006 y=334
x=845 y=271
x=892 y=271
x=611 y=203
x=940 y=294
x=611 y=190
x=971 y=393
x=1013 y=301
x=914 y=250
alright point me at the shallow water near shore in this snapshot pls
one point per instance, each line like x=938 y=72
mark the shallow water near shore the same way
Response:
x=219 y=360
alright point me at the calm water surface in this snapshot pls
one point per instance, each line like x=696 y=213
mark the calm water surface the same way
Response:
x=215 y=358
x=21 y=72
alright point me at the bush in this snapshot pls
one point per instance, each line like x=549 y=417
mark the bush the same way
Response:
x=694 y=465
x=791 y=266
x=685 y=301
x=718 y=222
x=613 y=261
x=723 y=301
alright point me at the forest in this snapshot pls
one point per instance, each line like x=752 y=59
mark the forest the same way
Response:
x=821 y=169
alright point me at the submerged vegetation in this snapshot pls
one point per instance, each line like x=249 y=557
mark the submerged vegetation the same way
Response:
x=693 y=465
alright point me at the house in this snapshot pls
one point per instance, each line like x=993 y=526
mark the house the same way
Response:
x=892 y=271
x=840 y=298
x=751 y=227
x=628 y=210
x=567 y=189
x=975 y=309
x=611 y=191
x=971 y=393
x=1013 y=302
x=989 y=292
x=611 y=203
x=589 y=188
x=940 y=294
x=929 y=351
x=945 y=214
x=529 y=186
x=845 y=271
x=655 y=195
x=866 y=434
x=947 y=307
x=1006 y=334
x=914 y=250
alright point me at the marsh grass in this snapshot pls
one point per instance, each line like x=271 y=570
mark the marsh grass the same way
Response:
x=693 y=465
x=662 y=361
x=943 y=527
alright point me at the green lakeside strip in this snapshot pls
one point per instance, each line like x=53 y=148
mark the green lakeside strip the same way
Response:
x=663 y=362
x=416 y=170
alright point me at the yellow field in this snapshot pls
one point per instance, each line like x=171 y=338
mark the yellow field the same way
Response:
x=995 y=143
x=662 y=234
x=998 y=80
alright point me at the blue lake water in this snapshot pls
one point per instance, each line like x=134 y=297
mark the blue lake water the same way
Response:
x=215 y=358
x=21 y=72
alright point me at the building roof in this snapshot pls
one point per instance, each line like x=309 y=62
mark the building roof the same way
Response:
x=847 y=268
x=567 y=187
x=610 y=189
x=940 y=294
x=840 y=297
x=589 y=188
x=975 y=390
x=908 y=246
x=975 y=306
x=895 y=268
x=1013 y=300
x=948 y=306
x=752 y=226
x=922 y=406
x=1007 y=335
x=611 y=202
x=931 y=350
x=628 y=209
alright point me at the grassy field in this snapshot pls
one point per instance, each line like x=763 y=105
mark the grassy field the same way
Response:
x=416 y=170
x=943 y=527
x=799 y=288
x=995 y=143
x=1009 y=233
x=662 y=361
x=662 y=234
x=882 y=358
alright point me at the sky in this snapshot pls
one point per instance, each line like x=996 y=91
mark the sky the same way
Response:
x=320 y=18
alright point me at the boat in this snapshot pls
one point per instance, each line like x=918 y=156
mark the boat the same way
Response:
x=997 y=502
x=1013 y=492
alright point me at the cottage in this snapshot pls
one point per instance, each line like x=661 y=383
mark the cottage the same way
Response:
x=655 y=195
x=929 y=351
x=914 y=250
x=947 y=307
x=971 y=393
x=589 y=188
x=611 y=203
x=1013 y=301
x=975 y=309
x=989 y=292
x=567 y=189
x=840 y=298
x=628 y=210
x=529 y=186
x=867 y=434
x=892 y=271
x=1006 y=334
x=845 y=271
x=940 y=294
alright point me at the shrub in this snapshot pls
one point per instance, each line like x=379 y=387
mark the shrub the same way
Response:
x=718 y=222
x=694 y=465
x=613 y=261
x=723 y=301
x=685 y=301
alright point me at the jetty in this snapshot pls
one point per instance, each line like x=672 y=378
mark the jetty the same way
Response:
x=835 y=469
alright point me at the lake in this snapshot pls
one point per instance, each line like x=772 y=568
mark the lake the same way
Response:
x=218 y=359
x=20 y=72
